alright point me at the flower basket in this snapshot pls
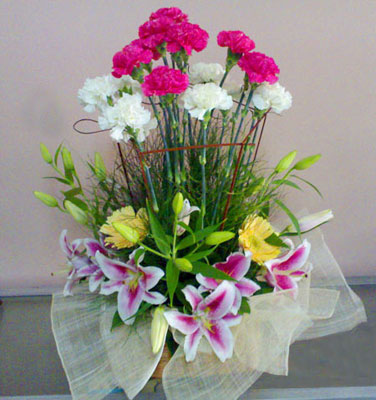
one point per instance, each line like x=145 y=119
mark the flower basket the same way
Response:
x=188 y=250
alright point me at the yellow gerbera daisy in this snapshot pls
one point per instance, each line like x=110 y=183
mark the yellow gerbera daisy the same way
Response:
x=127 y=216
x=252 y=237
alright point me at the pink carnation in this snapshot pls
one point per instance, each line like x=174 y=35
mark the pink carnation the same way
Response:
x=174 y=13
x=131 y=56
x=259 y=67
x=164 y=80
x=237 y=41
x=187 y=36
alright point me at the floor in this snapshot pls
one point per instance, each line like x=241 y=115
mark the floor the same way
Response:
x=30 y=366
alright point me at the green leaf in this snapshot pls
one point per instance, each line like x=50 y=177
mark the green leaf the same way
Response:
x=210 y=272
x=286 y=182
x=201 y=254
x=310 y=184
x=186 y=227
x=57 y=153
x=116 y=321
x=159 y=235
x=72 y=192
x=275 y=240
x=244 y=307
x=196 y=237
x=290 y=215
x=79 y=203
x=172 y=278
x=61 y=180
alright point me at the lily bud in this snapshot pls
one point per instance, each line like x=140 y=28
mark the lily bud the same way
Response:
x=177 y=203
x=159 y=327
x=307 y=162
x=285 y=162
x=45 y=153
x=127 y=232
x=79 y=215
x=67 y=159
x=46 y=199
x=312 y=221
x=183 y=264
x=100 y=168
x=219 y=237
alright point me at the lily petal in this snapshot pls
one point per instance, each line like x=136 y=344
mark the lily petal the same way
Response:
x=92 y=246
x=87 y=270
x=129 y=301
x=193 y=296
x=154 y=298
x=191 y=343
x=218 y=303
x=95 y=280
x=237 y=302
x=186 y=324
x=113 y=269
x=236 y=265
x=221 y=340
x=64 y=244
x=247 y=287
x=208 y=283
x=284 y=282
x=232 y=320
x=68 y=286
x=152 y=276
x=296 y=260
x=110 y=287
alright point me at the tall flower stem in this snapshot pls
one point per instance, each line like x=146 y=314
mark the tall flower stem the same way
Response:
x=232 y=149
x=204 y=129
x=146 y=169
x=168 y=161
x=224 y=77
x=174 y=126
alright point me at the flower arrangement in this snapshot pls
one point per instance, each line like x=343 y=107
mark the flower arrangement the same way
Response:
x=182 y=238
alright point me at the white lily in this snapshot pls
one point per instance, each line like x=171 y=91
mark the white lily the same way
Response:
x=185 y=215
x=312 y=221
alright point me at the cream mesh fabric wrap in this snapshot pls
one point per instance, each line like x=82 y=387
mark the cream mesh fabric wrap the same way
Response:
x=96 y=360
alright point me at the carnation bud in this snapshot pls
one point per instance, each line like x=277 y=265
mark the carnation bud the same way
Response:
x=183 y=264
x=45 y=153
x=177 y=203
x=127 y=232
x=100 y=168
x=159 y=326
x=67 y=159
x=46 y=199
x=285 y=162
x=76 y=212
x=307 y=162
x=216 y=238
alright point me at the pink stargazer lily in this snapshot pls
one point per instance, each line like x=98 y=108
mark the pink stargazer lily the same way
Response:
x=132 y=282
x=236 y=265
x=210 y=317
x=283 y=273
x=81 y=265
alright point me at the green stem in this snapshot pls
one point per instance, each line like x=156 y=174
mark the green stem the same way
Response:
x=154 y=251
x=204 y=128
x=224 y=77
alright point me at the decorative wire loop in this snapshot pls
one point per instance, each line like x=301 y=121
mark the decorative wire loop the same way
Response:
x=90 y=132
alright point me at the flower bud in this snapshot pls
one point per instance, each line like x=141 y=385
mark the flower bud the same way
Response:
x=159 y=326
x=177 y=203
x=216 y=238
x=67 y=159
x=79 y=215
x=127 y=232
x=183 y=264
x=307 y=162
x=46 y=199
x=285 y=162
x=45 y=153
x=100 y=168
x=312 y=221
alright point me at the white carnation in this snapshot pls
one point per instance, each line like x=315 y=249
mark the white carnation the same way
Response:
x=233 y=89
x=129 y=82
x=205 y=97
x=93 y=95
x=128 y=112
x=274 y=96
x=205 y=72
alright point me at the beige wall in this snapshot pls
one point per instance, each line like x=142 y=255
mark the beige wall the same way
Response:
x=326 y=52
